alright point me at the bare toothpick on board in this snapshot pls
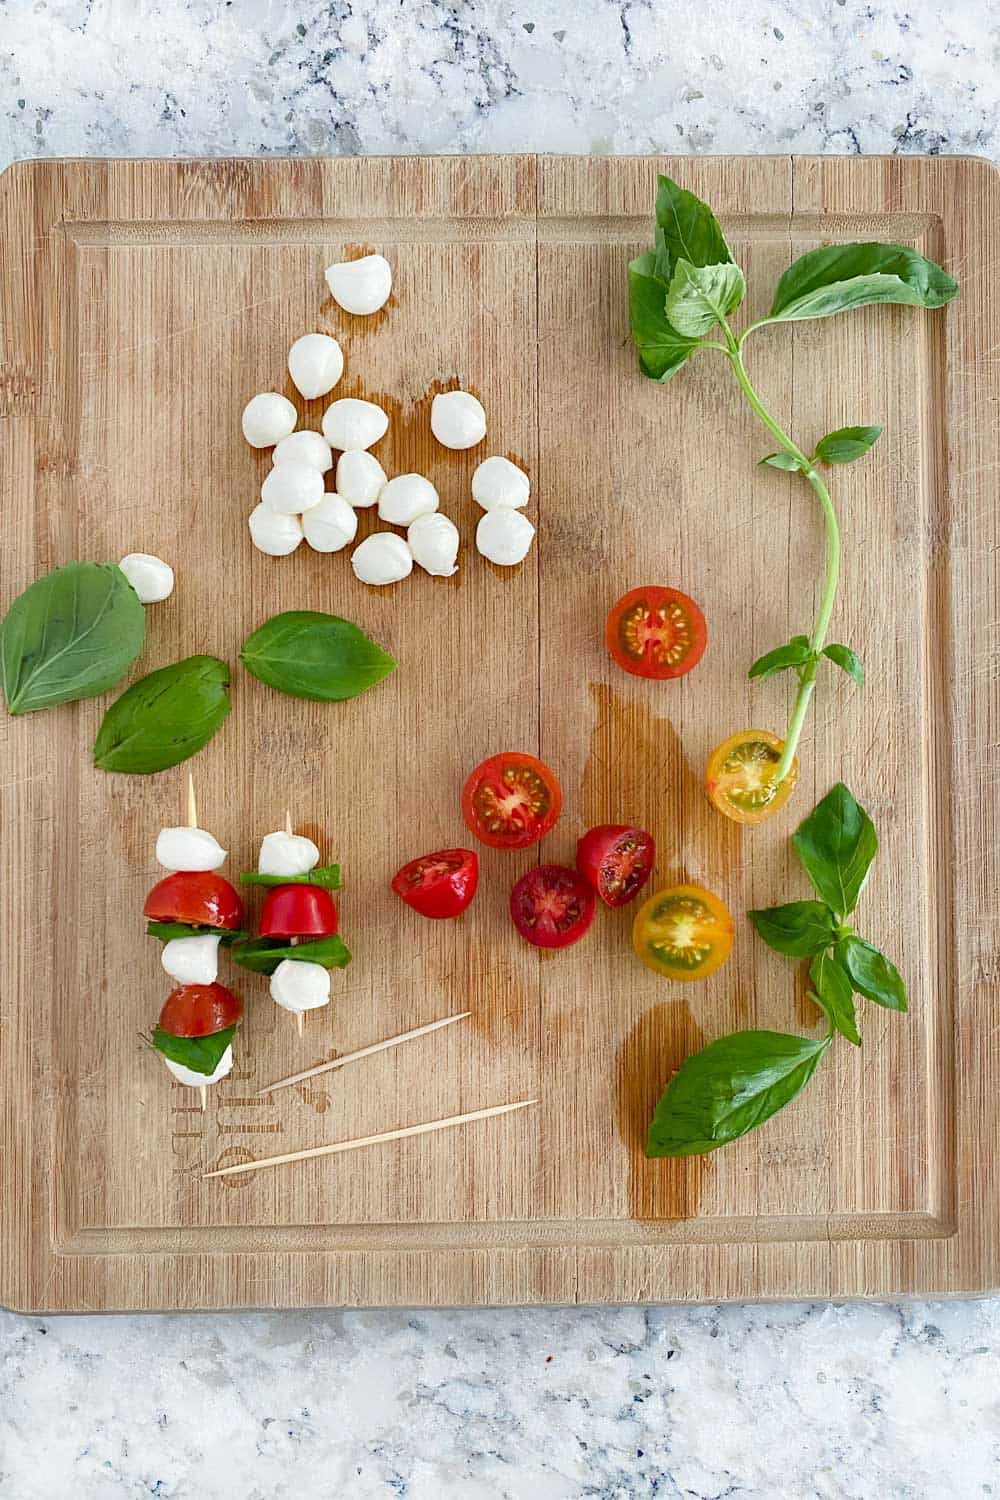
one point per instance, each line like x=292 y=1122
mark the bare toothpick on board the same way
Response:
x=349 y=1057
x=298 y=1014
x=191 y=813
x=373 y=1140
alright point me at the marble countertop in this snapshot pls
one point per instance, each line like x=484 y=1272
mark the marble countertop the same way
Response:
x=790 y=1401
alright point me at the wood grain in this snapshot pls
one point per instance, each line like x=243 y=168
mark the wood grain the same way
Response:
x=141 y=304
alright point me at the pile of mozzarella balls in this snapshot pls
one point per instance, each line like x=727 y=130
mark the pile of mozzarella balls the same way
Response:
x=295 y=504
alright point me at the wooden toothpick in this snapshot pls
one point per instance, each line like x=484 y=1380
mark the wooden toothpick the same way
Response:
x=298 y=1014
x=192 y=822
x=349 y=1057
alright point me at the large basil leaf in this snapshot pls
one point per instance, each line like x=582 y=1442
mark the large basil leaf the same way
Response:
x=837 y=278
x=326 y=876
x=164 y=717
x=202 y=1054
x=662 y=351
x=699 y=297
x=313 y=655
x=799 y=929
x=687 y=230
x=263 y=955
x=833 y=992
x=837 y=843
x=72 y=634
x=729 y=1087
x=871 y=973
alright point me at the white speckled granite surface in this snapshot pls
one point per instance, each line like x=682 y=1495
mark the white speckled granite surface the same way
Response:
x=795 y=1401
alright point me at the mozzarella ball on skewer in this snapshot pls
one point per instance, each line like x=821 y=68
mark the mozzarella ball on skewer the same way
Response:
x=330 y=525
x=201 y=1080
x=267 y=419
x=360 y=478
x=188 y=849
x=381 y=558
x=192 y=960
x=458 y=419
x=276 y=535
x=292 y=488
x=350 y=424
x=433 y=540
x=151 y=577
x=405 y=498
x=499 y=482
x=315 y=363
x=305 y=447
x=300 y=986
x=284 y=853
x=504 y=535
x=360 y=286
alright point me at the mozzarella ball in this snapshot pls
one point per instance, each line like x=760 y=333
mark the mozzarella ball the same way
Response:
x=188 y=849
x=360 y=478
x=433 y=540
x=201 y=1080
x=267 y=419
x=274 y=534
x=405 y=498
x=192 y=960
x=150 y=576
x=287 y=854
x=299 y=986
x=315 y=363
x=305 y=448
x=504 y=535
x=360 y=286
x=458 y=420
x=292 y=488
x=499 y=482
x=330 y=525
x=350 y=425
x=382 y=558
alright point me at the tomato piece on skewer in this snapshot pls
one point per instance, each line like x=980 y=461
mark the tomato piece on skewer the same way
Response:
x=298 y=911
x=199 y=898
x=200 y=1010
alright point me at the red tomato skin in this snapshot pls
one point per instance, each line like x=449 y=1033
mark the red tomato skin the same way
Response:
x=446 y=893
x=298 y=911
x=199 y=897
x=200 y=1010
x=657 y=597
x=491 y=769
x=537 y=887
x=598 y=857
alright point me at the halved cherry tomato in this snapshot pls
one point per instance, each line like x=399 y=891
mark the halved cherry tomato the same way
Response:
x=200 y=1010
x=199 y=897
x=739 y=776
x=683 y=932
x=552 y=906
x=441 y=884
x=511 y=801
x=298 y=911
x=656 y=632
x=617 y=861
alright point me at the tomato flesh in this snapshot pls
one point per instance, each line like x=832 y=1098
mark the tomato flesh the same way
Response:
x=439 y=885
x=200 y=1010
x=656 y=632
x=617 y=860
x=511 y=801
x=740 y=780
x=298 y=911
x=683 y=932
x=198 y=897
x=552 y=907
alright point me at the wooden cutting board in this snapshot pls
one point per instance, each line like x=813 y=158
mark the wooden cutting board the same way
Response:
x=142 y=304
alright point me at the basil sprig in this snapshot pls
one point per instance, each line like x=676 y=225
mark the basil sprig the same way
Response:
x=165 y=717
x=263 y=955
x=313 y=655
x=166 y=931
x=202 y=1054
x=325 y=876
x=739 y=1081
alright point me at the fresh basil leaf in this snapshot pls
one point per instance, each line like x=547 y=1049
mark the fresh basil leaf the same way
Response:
x=782 y=658
x=699 y=297
x=263 y=955
x=834 y=994
x=662 y=351
x=798 y=929
x=687 y=230
x=847 y=444
x=202 y=1054
x=164 y=718
x=72 y=634
x=326 y=876
x=166 y=931
x=836 y=844
x=729 y=1087
x=837 y=278
x=781 y=460
x=871 y=973
x=312 y=655
x=846 y=658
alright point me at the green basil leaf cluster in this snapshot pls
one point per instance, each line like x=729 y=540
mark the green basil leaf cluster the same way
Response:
x=313 y=655
x=165 y=717
x=326 y=876
x=263 y=955
x=202 y=1054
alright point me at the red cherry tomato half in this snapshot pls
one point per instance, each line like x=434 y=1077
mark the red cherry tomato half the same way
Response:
x=552 y=906
x=198 y=897
x=511 y=801
x=441 y=884
x=200 y=1010
x=617 y=861
x=298 y=911
x=656 y=632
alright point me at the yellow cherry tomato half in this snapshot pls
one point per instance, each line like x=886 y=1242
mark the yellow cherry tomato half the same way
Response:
x=683 y=932
x=740 y=780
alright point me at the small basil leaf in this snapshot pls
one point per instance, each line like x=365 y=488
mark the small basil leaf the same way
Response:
x=729 y=1087
x=836 y=278
x=846 y=658
x=263 y=955
x=871 y=973
x=72 y=634
x=781 y=460
x=202 y=1054
x=312 y=655
x=782 y=658
x=834 y=994
x=166 y=931
x=837 y=844
x=687 y=230
x=662 y=351
x=847 y=444
x=699 y=297
x=799 y=929
x=326 y=876
x=164 y=718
